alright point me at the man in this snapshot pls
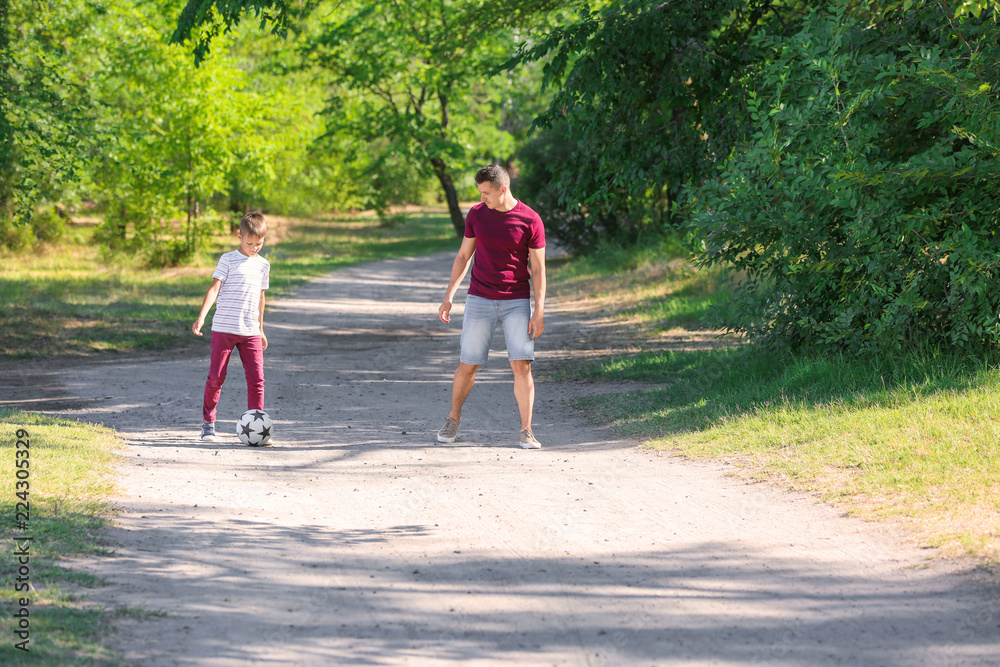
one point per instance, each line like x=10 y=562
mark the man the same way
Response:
x=502 y=235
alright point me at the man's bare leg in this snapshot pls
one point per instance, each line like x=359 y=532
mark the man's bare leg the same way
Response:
x=524 y=390
x=465 y=377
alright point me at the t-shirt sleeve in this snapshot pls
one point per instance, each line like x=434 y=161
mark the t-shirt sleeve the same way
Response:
x=265 y=278
x=470 y=223
x=222 y=269
x=536 y=233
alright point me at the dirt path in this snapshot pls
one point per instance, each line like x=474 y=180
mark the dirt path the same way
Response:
x=359 y=541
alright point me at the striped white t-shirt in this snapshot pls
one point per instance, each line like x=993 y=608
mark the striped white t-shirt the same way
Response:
x=238 y=309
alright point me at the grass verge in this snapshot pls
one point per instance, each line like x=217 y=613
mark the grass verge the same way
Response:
x=908 y=438
x=651 y=287
x=71 y=301
x=69 y=480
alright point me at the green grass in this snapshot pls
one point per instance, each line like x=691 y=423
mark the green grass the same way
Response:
x=910 y=438
x=69 y=483
x=70 y=301
x=651 y=286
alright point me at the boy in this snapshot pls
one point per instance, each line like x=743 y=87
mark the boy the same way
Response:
x=239 y=282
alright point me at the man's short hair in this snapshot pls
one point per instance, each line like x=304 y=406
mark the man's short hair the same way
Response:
x=253 y=224
x=495 y=174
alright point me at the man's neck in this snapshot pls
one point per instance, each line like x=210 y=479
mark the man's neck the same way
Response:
x=507 y=203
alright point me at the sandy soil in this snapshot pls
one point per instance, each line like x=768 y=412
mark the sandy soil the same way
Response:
x=357 y=540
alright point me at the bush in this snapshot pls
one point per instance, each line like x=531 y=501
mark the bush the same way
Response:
x=644 y=105
x=14 y=236
x=863 y=213
x=390 y=220
x=48 y=226
x=580 y=229
x=169 y=253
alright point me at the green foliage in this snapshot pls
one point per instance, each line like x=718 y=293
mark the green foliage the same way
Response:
x=410 y=87
x=14 y=236
x=184 y=141
x=645 y=106
x=46 y=117
x=580 y=229
x=190 y=133
x=862 y=214
x=974 y=7
x=7 y=90
x=48 y=226
x=409 y=80
x=205 y=20
x=311 y=179
x=94 y=105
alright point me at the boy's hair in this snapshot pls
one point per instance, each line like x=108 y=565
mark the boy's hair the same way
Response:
x=494 y=174
x=253 y=224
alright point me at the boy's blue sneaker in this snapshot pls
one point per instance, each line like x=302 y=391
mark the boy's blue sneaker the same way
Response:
x=208 y=431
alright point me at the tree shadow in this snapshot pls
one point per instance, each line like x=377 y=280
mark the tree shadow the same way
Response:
x=381 y=595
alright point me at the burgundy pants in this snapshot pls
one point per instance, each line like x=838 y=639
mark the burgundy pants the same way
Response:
x=251 y=354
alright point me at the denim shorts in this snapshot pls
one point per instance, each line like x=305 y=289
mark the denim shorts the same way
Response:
x=480 y=321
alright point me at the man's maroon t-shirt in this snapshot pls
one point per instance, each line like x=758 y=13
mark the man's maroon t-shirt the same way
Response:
x=500 y=269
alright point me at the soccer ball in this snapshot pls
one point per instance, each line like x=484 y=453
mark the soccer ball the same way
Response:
x=254 y=428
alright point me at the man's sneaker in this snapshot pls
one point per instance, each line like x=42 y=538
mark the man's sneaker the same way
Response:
x=449 y=431
x=528 y=440
x=208 y=431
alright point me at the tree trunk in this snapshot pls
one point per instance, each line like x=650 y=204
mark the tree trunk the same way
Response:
x=441 y=171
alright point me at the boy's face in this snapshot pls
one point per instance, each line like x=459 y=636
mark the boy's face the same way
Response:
x=250 y=245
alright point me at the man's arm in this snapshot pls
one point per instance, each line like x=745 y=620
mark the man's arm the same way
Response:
x=536 y=325
x=458 y=270
x=260 y=320
x=206 y=305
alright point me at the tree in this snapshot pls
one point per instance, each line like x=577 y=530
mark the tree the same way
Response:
x=45 y=115
x=180 y=135
x=204 y=20
x=7 y=95
x=862 y=214
x=410 y=79
x=648 y=100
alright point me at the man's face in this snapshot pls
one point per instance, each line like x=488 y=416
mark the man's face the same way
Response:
x=490 y=195
x=250 y=245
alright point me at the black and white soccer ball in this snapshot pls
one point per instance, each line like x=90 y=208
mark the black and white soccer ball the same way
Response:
x=254 y=428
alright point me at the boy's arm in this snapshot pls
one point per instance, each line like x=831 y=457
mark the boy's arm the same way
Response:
x=536 y=325
x=260 y=320
x=206 y=305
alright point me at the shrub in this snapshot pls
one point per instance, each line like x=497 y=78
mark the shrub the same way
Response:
x=48 y=226
x=14 y=236
x=863 y=213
